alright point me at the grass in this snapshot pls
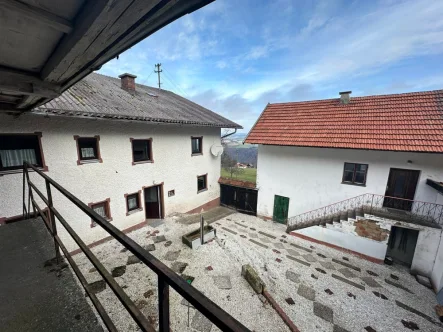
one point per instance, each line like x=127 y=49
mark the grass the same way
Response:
x=247 y=174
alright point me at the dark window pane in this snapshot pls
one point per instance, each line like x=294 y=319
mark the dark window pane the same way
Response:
x=196 y=145
x=88 y=148
x=360 y=177
x=14 y=149
x=141 y=150
x=133 y=202
x=201 y=182
x=347 y=176
x=349 y=167
x=361 y=168
x=100 y=209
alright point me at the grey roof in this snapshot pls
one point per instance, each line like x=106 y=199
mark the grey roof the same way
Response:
x=102 y=96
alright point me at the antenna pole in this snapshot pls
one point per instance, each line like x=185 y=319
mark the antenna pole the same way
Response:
x=158 y=71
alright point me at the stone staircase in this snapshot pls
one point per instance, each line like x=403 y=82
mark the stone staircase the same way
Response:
x=422 y=213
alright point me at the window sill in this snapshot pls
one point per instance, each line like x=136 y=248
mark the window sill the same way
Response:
x=20 y=171
x=197 y=154
x=142 y=162
x=200 y=191
x=354 y=184
x=133 y=211
x=94 y=224
x=92 y=161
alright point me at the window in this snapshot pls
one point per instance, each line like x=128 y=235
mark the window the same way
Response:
x=355 y=173
x=197 y=145
x=88 y=149
x=133 y=202
x=171 y=193
x=141 y=150
x=14 y=149
x=202 y=183
x=103 y=209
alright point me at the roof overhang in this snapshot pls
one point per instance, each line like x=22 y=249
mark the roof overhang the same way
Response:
x=48 y=46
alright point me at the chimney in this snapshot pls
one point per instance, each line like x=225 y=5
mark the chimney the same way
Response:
x=345 y=97
x=128 y=82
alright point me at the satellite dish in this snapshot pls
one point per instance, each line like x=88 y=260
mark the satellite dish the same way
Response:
x=216 y=150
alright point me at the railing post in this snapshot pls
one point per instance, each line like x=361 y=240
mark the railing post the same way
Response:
x=372 y=203
x=24 y=189
x=163 y=305
x=30 y=196
x=52 y=221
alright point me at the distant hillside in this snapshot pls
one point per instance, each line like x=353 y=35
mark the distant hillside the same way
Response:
x=245 y=154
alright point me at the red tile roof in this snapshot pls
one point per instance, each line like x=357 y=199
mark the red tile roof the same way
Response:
x=399 y=122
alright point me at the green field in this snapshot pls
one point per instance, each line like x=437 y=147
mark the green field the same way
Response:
x=247 y=174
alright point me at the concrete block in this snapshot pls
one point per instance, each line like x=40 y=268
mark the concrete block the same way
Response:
x=253 y=279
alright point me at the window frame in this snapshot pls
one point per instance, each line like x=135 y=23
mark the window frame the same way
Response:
x=200 y=138
x=151 y=155
x=107 y=203
x=206 y=183
x=139 y=200
x=81 y=161
x=354 y=172
x=43 y=166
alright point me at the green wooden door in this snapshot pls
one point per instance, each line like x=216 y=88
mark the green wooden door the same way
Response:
x=281 y=207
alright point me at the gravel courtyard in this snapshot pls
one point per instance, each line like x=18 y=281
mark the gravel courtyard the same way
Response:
x=320 y=289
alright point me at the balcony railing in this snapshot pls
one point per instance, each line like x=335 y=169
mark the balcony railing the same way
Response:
x=166 y=277
x=384 y=206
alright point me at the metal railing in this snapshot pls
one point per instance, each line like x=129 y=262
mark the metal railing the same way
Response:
x=385 y=206
x=166 y=277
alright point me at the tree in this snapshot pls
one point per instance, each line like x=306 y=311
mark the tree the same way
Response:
x=230 y=165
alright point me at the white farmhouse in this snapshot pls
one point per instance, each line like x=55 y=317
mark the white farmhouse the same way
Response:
x=361 y=174
x=132 y=152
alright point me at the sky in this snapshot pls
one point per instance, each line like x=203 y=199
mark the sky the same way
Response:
x=235 y=56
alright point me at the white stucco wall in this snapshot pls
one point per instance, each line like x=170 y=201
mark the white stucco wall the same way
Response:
x=437 y=272
x=311 y=177
x=116 y=176
x=345 y=240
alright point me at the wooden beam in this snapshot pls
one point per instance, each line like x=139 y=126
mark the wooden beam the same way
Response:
x=92 y=14
x=15 y=82
x=38 y=14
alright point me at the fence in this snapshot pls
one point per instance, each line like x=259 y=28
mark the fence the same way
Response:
x=166 y=277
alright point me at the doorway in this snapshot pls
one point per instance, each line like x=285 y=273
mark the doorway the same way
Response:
x=401 y=184
x=401 y=244
x=153 y=202
x=281 y=208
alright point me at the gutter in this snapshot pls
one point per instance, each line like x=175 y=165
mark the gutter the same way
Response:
x=224 y=136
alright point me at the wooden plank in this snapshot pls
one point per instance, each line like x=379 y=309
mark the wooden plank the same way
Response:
x=38 y=14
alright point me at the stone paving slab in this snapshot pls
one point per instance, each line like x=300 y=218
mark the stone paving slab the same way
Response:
x=349 y=282
x=222 y=282
x=324 y=312
x=300 y=247
x=158 y=239
x=306 y=292
x=298 y=260
x=328 y=265
x=229 y=230
x=419 y=313
x=353 y=267
x=259 y=244
x=118 y=271
x=294 y=277
x=370 y=282
x=293 y=252
x=339 y=329
x=178 y=267
x=279 y=245
x=149 y=247
x=172 y=255
x=156 y=223
x=200 y=323
x=268 y=235
x=347 y=273
x=253 y=235
x=265 y=240
x=132 y=260
x=390 y=282
x=309 y=258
